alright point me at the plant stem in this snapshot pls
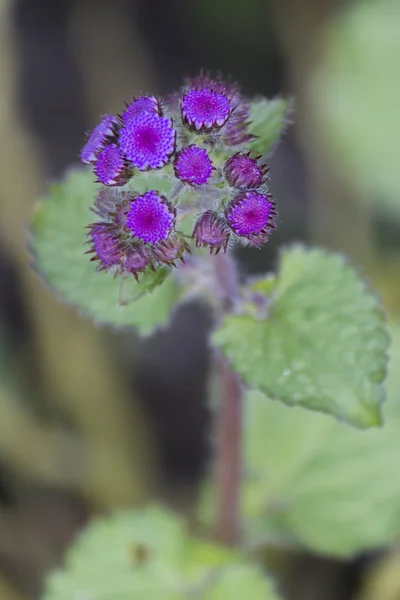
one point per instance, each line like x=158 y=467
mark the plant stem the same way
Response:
x=229 y=419
x=229 y=457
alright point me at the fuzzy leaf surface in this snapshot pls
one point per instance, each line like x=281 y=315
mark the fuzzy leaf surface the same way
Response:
x=323 y=344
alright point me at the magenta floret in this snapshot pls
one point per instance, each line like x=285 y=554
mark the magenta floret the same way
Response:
x=205 y=110
x=251 y=215
x=151 y=217
x=236 y=131
x=111 y=168
x=148 y=141
x=193 y=165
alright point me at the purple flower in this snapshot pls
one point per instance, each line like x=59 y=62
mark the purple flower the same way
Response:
x=111 y=167
x=114 y=253
x=242 y=171
x=138 y=106
x=236 y=129
x=211 y=230
x=106 y=245
x=252 y=215
x=148 y=141
x=167 y=252
x=205 y=109
x=193 y=165
x=100 y=137
x=151 y=217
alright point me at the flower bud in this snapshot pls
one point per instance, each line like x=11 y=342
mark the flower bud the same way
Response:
x=193 y=165
x=106 y=246
x=211 y=230
x=136 y=260
x=151 y=218
x=205 y=110
x=101 y=135
x=251 y=215
x=148 y=141
x=242 y=171
x=111 y=167
x=171 y=250
x=138 y=106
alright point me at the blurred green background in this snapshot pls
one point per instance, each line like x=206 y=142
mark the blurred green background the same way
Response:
x=91 y=419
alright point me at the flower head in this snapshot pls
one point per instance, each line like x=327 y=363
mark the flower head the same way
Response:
x=242 y=171
x=252 y=215
x=211 y=230
x=138 y=106
x=236 y=130
x=100 y=137
x=193 y=165
x=106 y=245
x=205 y=109
x=138 y=230
x=151 y=217
x=111 y=167
x=171 y=250
x=148 y=141
x=136 y=259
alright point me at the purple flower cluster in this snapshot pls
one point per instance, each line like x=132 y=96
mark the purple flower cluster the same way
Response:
x=200 y=140
x=135 y=233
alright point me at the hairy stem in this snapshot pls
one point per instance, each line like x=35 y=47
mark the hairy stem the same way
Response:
x=229 y=419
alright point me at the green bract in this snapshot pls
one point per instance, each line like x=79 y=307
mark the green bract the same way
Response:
x=322 y=345
x=59 y=244
x=146 y=553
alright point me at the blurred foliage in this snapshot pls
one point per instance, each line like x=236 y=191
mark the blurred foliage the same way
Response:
x=356 y=95
x=148 y=554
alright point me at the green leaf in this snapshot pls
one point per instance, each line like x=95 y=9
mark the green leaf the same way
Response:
x=318 y=483
x=356 y=95
x=59 y=245
x=147 y=553
x=268 y=121
x=322 y=346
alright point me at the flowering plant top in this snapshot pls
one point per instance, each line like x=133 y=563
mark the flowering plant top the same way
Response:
x=199 y=140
